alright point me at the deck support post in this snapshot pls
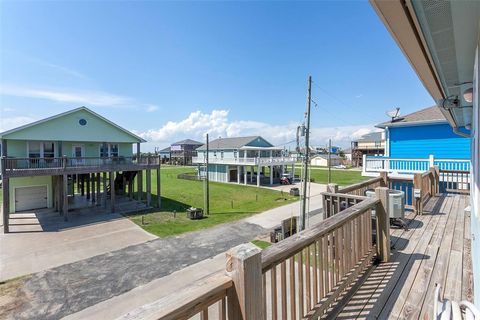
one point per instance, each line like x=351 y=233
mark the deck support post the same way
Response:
x=258 y=176
x=65 y=196
x=271 y=174
x=383 y=225
x=140 y=186
x=149 y=187
x=87 y=177
x=245 y=298
x=112 y=191
x=82 y=178
x=332 y=188
x=92 y=179
x=238 y=174
x=130 y=186
x=159 y=197
x=245 y=175
x=97 y=181
x=6 y=202
x=105 y=191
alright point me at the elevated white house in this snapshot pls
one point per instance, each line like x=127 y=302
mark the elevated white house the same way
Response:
x=244 y=160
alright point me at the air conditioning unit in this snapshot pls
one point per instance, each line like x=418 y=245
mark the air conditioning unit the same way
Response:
x=396 y=207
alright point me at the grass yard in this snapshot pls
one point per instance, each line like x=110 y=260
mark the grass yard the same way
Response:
x=340 y=177
x=228 y=202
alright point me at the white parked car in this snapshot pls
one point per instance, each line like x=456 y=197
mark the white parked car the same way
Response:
x=341 y=166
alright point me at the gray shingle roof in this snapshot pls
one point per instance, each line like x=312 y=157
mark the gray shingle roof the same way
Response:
x=431 y=114
x=372 y=136
x=167 y=149
x=228 y=143
x=187 y=141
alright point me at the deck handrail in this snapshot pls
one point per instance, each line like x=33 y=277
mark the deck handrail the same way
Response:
x=362 y=186
x=285 y=249
x=198 y=297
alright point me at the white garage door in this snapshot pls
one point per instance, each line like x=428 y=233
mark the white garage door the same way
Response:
x=27 y=198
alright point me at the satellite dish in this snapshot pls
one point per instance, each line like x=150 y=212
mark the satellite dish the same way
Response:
x=393 y=114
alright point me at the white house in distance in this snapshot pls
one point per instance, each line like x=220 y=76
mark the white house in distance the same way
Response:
x=322 y=160
x=243 y=160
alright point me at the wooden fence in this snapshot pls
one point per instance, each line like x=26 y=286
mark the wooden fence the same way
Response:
x=297 y=278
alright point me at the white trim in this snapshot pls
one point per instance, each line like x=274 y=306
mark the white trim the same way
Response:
x=412 y=123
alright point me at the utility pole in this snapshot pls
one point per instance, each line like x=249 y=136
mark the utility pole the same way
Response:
x=206 y=195
x=303 y=213
x=329 y=161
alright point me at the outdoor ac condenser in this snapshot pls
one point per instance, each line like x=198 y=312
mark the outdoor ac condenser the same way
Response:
x=396 y=203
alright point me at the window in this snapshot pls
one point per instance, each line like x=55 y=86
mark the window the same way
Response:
x=34 y=149
x=114 y=150
x=214 y=153
x=48 y=150
x=235 y=154
x=221 y=154
x=108 y=150
x=378 y=144
x=104 y=150
x=38 y=149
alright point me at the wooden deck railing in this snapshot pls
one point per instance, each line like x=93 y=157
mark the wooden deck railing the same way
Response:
x=54 y=165
x=303 y=275
x=298 y=278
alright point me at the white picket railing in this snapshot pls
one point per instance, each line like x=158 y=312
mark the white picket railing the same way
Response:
x=245 y=161
x=372 y=166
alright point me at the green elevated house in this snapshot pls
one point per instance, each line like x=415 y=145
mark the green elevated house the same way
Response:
x=42 y=163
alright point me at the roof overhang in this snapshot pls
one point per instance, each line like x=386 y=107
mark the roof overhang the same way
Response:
x=439 y=39
x=260 y=148
x=410 y=124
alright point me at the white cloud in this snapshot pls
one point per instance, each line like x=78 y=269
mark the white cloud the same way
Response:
x=63 y=69
x=217 y=125
x=7 y=123
x=151 y=108
x=91 y=98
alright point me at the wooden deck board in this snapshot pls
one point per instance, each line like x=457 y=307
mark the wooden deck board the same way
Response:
x=435 y=250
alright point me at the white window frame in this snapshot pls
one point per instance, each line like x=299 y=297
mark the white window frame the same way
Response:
x=109 y=149
x=55 y=150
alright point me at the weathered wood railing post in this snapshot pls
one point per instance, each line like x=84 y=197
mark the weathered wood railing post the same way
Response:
x=436 y=179
x=245 y=298
x=383 y=225
x=384 y=182
x=417 y=196
x=328 y=202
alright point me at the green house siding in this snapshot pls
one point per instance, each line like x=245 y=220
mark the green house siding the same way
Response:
x=68 y=128
x=17 y=148
x=30 y=182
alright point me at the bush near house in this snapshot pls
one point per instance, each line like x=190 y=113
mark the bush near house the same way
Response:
x=228 y=202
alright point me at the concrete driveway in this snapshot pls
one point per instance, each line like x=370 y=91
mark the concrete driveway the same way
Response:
x=60 y=242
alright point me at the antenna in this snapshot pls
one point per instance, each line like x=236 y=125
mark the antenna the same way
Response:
x=393 y=114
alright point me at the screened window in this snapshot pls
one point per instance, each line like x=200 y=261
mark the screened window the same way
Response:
x=108 y=150
x=221 y=154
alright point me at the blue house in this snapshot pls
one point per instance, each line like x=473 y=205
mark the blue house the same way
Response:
x=243 y=160
x=422 y=134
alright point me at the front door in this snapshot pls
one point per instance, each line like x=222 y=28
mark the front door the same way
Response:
x=78 y=154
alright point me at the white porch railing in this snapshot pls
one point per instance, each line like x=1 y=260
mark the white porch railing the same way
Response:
x=245 y=161
x=372 y=166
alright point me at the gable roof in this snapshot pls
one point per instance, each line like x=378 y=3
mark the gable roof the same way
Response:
x=424 y=116
x=230 y=143
x=325 y=156
x=187 y=141
x=63 y=114
x=164 y=150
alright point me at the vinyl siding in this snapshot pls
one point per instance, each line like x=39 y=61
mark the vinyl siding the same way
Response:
x=422 y=141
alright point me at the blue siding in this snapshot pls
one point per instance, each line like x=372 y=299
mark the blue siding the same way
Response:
x=422 y=141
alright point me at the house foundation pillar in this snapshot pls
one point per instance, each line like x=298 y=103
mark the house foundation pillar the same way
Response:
x=271 y=174
x=97 y=181
x=258 y=176
x=92 y=179
x=244 y=175
x=88 y=186
x=65 y=196
x=140 y=186
x=149 y=187
x=112 y=191
x=105 y=191
x=6 y=204
x=238 y=174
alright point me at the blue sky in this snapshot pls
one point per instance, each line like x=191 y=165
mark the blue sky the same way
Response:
x=174 y=70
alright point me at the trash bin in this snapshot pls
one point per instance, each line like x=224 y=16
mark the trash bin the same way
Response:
x=195 y=213
x=294 y=192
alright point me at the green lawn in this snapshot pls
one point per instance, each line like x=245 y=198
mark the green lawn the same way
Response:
x=340 y=177
x=228 y=202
